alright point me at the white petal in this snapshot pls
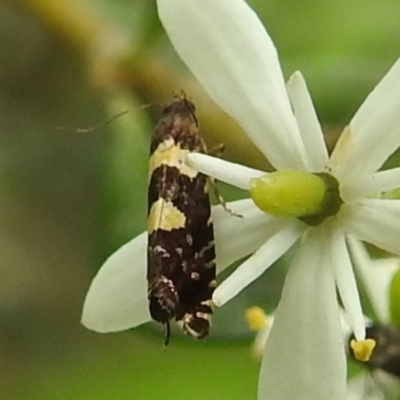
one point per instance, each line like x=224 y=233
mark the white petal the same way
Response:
x=258 y=263
x=228 y=50
x=376 y=275
x=346 y=282
x=224 y=171
x=308 y=123
x=304 y=357
x=375 y=221
x=347 y=330
x=382 y=181
x=236 y=237
x=117 y=297
x=375 y=129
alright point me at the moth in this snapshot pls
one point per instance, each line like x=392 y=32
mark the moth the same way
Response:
x=181 y=254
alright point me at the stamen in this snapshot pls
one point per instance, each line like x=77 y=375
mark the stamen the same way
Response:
x=363 y=349
x=256 y=318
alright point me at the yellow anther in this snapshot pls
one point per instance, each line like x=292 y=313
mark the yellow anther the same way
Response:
x=256 y=318
x=363 y=349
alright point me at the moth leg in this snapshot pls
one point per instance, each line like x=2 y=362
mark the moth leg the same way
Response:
x=220 y=198
x=216 y=150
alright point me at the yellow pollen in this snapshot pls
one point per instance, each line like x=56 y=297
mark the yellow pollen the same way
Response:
x=256 y=318
x=363 y=349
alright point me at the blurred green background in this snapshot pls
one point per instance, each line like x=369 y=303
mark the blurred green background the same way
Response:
x=68 y=198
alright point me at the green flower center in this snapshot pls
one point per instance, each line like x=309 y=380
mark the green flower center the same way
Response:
x=296 y=194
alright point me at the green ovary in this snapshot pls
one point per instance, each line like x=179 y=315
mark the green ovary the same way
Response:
x=297 y=194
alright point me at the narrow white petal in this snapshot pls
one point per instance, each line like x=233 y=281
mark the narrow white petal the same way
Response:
x=374 y=132
x=304 y=357
x=382 y=181
x=224 y=171
x=236 y=237
x=374 y=221
x=229 y=51
x=346 y=282
x=376 y=276
x=347 y=330
x=307 y=120
x=258 y=263
x=117 y=297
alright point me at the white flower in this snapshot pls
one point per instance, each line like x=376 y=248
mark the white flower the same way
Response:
x=376 y=276
x=228 y=50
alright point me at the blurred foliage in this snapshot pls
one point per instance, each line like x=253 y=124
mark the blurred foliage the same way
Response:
x=69 y=198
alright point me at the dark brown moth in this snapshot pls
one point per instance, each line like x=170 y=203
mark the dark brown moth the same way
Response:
x=386 y=354
x=181 y=254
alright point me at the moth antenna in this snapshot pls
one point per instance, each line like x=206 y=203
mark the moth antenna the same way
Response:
x=107 y=122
